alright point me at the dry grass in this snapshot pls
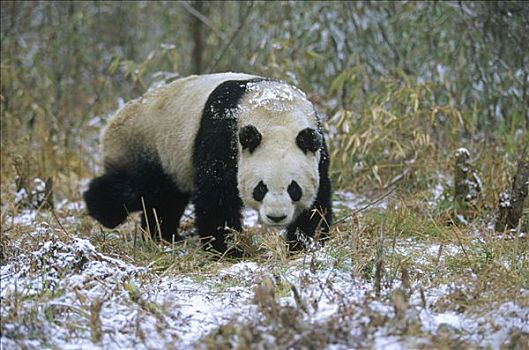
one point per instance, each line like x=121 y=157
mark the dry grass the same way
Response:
x=482 y=282
x=399 y=258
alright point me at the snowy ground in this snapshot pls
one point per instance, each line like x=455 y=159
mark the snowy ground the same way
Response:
x=66 y=294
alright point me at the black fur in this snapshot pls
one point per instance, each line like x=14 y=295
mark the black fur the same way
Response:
x=118 y=192
x=318 y=219
x=217 y=202
x=249 y=137
x=309 y=139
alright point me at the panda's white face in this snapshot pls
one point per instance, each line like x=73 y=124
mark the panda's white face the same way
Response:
x=278 y=172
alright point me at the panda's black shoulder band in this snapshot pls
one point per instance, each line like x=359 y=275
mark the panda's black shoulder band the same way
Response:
x=216 y=198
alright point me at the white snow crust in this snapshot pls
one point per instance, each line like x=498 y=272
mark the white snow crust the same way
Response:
x=56 y=285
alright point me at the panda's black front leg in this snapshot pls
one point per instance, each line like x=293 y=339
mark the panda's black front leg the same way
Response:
x=213 y=220
x=217 y=205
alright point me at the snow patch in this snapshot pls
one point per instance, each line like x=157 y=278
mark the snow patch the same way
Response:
x=26 y=218
x=462 y=151
x=272 y=96
x=351 y=201
x=54 y=288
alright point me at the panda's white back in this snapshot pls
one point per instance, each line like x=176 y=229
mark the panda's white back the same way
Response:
x=164 y=123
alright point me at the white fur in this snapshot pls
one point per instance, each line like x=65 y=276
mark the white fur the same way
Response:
x=279 y=112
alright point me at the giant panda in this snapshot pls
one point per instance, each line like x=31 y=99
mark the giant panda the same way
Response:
x=221 y=141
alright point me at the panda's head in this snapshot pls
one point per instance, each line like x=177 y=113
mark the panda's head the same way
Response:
x=278 y=171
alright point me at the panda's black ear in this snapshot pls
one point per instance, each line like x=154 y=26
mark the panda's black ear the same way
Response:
x=249 y=137
x=309 y=139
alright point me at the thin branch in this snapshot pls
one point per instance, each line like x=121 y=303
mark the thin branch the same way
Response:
x=368 y=205
x=193 y=11
x=56 y=218
x=391 y=45
x=217 y=59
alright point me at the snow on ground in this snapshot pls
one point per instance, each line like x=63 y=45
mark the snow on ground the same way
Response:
x=351 y=201
x=71 y=296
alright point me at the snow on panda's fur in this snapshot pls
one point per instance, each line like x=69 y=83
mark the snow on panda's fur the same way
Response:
x=221 y=141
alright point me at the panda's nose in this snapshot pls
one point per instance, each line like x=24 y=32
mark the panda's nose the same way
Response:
x=276 y=218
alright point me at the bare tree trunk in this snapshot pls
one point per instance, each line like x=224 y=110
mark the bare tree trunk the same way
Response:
x=197 y=29
x=511 y=204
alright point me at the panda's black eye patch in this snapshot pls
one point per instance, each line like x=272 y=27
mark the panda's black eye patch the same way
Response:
x=260 y=191
x=249 y=137
x=309 y=139
x=294 y=191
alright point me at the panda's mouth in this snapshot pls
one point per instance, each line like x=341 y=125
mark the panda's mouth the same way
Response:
x=274 y=220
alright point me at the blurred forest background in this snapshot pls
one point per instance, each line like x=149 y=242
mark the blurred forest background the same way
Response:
x=400 y=85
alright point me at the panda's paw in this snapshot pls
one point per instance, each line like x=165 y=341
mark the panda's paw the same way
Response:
x=299 y=241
